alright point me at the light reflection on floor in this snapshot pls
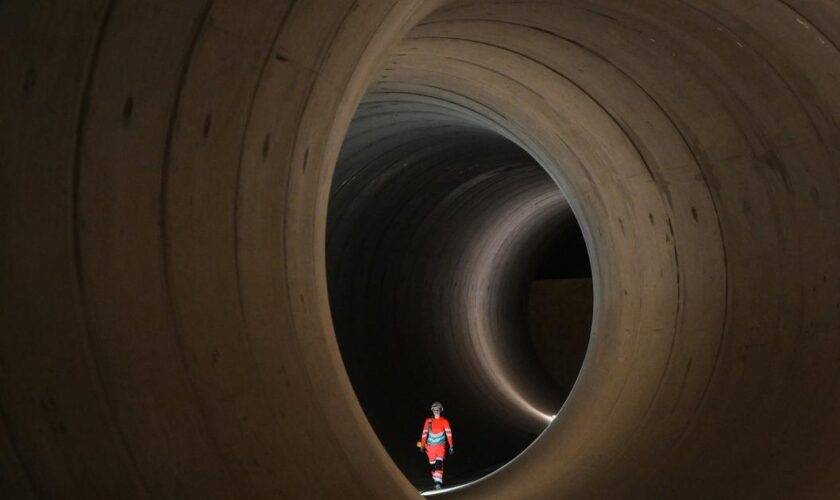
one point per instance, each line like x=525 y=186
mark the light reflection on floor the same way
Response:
x=441 y=491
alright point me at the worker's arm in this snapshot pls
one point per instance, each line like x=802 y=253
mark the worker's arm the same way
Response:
x=425 y=435
x=449 y=435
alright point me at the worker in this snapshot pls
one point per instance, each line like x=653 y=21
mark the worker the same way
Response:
x=433 y=441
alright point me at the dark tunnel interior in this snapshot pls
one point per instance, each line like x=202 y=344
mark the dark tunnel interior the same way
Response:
x=456 y=272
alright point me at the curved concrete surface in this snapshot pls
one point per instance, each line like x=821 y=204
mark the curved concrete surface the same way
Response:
x=166 y=169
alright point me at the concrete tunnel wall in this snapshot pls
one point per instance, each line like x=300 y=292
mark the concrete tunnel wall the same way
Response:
x=165 y=175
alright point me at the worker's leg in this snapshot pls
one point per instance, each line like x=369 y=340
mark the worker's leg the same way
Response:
x=437 y=473
x=436 y=454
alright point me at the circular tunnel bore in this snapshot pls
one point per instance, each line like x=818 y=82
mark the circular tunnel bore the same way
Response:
x=457 y=272
x=165 y=178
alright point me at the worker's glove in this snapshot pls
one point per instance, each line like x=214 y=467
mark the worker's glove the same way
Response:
x=451 y=450
x=422 y=449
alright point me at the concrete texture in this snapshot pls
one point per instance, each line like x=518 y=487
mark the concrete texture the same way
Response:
x=166 y=169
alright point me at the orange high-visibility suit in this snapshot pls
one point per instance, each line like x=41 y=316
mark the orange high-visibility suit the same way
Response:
x=436 y=433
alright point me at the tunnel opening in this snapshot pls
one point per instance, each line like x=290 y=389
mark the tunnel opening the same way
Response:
x=456 y=272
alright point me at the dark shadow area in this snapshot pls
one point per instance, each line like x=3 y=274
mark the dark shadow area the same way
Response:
x=441 y=238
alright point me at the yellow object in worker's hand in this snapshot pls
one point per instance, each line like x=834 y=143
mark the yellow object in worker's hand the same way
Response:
x=419 y=445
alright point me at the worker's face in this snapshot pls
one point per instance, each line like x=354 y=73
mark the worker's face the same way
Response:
x=436 y=411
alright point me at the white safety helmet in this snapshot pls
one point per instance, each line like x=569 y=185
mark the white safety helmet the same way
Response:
x=437 y=404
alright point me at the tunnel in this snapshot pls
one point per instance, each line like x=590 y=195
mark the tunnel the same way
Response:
x=222 y=220
x=456 y=271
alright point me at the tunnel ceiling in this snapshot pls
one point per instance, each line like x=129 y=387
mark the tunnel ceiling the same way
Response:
x=166 y=175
